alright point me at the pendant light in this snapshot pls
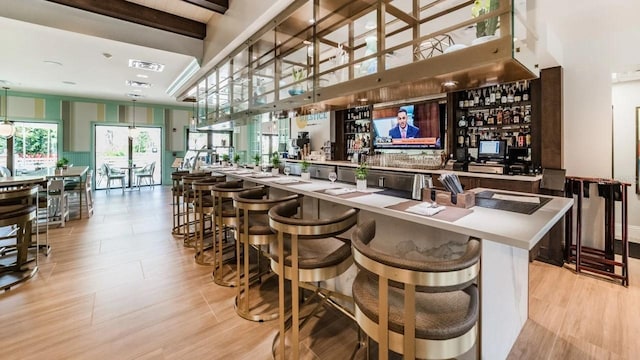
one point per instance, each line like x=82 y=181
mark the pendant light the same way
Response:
x=6 y=127
x=133 y=130
x=193 y=121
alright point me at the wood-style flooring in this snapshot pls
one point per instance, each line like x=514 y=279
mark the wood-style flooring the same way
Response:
x=119 y=286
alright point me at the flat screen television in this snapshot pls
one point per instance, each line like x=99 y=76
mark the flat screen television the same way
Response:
x=409 y=126
x=492 y=150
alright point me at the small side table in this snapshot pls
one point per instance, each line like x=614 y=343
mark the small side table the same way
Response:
x=598 y=261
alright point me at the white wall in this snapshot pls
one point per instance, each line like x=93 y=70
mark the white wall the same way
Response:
x=625 y=100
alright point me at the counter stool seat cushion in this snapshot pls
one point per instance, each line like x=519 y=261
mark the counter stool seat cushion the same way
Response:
x=316 y=253
x=439 y=316
x=207 y=201
x=13 y=211
x=258 y=225
x=228 y=210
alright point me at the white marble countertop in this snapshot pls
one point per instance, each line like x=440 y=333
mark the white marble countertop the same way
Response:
x=532 y=178
x=509 y=228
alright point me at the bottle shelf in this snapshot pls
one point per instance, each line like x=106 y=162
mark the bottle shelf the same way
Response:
x=502 y=126
x=357 y=133
x=495 y=106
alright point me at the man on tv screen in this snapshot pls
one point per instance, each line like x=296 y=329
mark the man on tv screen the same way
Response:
x=403 y=130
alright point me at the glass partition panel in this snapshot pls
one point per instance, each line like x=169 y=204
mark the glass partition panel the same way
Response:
x=263 y=83
x=365 y=44
x=224 y=89
x=524 y=38
x=212 y=95
x=294 y=37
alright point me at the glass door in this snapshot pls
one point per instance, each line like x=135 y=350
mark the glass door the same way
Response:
x=115 y=148
x=35 y=146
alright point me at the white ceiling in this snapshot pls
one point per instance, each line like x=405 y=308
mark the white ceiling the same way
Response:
x=92 y=51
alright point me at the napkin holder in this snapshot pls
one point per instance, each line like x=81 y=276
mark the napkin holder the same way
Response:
x=463 y=200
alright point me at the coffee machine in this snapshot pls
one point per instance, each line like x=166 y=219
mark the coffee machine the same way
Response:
x=297 y=145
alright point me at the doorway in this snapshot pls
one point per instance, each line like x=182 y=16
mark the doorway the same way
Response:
x=115 y=147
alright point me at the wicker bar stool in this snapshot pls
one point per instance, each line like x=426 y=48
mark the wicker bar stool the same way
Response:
x=420 y=308
x=176 y=204
x=224 y=271
x=307 y=251
x=204 y=208
x=254 y=231
x=18 y=209
x=188 y=198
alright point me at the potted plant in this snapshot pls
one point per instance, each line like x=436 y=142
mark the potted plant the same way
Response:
x=298 y=75
x=62 y=164
x=361 y=176
x=225 y=160
x=304 y=174
x=236 y=160
x=485 y=29
x=256 y=163
x=275 y=162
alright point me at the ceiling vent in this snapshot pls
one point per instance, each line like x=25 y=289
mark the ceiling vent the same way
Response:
x=146 y=65
x=139 y=84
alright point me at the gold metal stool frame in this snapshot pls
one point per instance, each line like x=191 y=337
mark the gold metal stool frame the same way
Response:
x=247 y=204
x=281 y=220
x=202 y=213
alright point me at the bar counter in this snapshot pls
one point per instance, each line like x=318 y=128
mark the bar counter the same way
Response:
x=506 y=240
x=525 y=178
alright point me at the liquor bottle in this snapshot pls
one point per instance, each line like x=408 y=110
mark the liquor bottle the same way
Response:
x=461 y=138
x=474 y=141
x=499 y=117
x=521 y=139
x=492 y=96
x=510 y=95
x=516 y=116
x=527 y=138
x=461 y=100
x=462 y=122
x=525 y=92
x=503 y=96
x=476 y=98
x=491 y=119
x=518 y=95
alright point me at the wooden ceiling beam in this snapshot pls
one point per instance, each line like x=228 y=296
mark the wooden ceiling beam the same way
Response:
x=219 y=6
x=138 y=14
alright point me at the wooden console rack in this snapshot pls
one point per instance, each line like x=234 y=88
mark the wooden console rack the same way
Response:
x=601 y=262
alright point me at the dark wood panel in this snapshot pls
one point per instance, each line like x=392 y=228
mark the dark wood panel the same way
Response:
x=219 y=6
x=512 y=185
x=128 y=11
x=551 y=118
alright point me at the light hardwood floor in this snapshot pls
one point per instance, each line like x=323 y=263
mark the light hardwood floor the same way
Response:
x=119 y=286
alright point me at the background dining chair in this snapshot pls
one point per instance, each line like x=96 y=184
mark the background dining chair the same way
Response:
x=113 y=174
x=145 y=173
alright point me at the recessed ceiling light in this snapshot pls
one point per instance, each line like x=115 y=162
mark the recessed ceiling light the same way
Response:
x=370 y=25
x=363 y=99
x=146 y=65
x=142 y=76
x=69 y=82
x=132 y=95
x=51 y=62
x=138 y=84
x=311 y=21
x=449 y=83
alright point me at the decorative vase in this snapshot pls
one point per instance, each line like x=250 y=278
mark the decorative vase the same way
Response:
x=296 y=90
x=361 y=184
x=257 y=168
x=275 y=171
x=235 y=166
x=225 y=164
x=305 y=176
